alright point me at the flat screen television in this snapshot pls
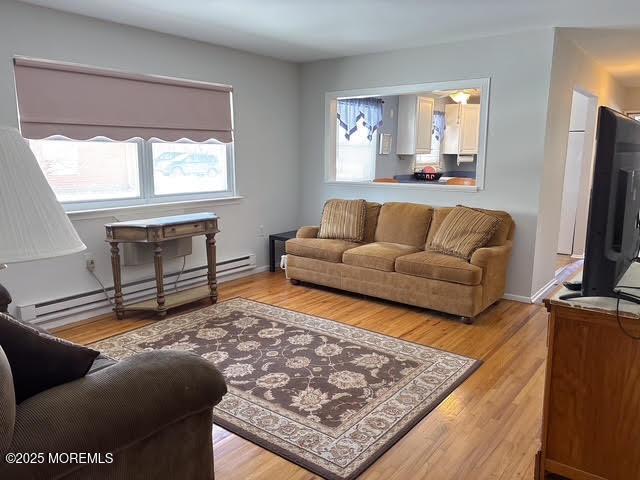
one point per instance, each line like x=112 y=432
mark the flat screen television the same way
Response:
x=613 y=229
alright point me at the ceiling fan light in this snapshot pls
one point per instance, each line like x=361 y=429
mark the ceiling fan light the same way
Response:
x=460 y=97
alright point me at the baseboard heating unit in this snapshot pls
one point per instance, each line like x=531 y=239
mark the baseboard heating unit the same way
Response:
x=60 y=311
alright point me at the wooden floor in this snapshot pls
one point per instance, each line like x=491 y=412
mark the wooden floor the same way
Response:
x=564 y=260
x=488 y=428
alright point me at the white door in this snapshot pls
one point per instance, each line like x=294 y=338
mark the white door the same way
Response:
x=569 y=206
x=424 y=124
x=469 y=129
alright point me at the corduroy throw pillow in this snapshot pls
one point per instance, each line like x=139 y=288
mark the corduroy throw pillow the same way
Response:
x=463 y=231
x=40 y=361
x=343 y=220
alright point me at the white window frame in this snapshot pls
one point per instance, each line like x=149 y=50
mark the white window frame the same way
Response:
x=146 y=179
x=330 y=131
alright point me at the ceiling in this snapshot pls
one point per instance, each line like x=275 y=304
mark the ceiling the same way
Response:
x=306 y=30
x=618 y=50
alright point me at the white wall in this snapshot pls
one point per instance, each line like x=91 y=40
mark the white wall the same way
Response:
x=572 y=69
x=519 y=66
x=266 y=121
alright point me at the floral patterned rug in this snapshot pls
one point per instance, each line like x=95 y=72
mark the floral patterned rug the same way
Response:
x=327 y=396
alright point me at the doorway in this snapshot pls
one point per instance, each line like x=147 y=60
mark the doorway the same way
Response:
x=577 y=179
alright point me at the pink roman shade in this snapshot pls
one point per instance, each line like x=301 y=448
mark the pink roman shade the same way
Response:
x=82 y=102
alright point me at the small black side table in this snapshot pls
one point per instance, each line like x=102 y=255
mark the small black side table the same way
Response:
x=282 y=237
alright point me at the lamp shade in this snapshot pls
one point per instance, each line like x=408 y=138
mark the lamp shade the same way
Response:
x=33 y=224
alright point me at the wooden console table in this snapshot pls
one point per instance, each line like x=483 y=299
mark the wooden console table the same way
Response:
x=155 y=231
x=591 y=424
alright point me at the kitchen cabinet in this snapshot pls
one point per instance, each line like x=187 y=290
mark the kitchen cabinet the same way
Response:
x=462 y=129
x=415 y=123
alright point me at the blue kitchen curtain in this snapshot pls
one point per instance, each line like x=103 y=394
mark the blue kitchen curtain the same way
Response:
x=351 y=110
x=438 y=125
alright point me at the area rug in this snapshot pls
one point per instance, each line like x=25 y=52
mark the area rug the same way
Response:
x=328 y=396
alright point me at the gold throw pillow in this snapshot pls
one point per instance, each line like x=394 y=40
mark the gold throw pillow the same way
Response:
x=343 y=220
x=463 y=231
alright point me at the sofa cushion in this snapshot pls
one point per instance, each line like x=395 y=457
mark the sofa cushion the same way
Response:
x=40 y=361
x=377 y=255
x=343 y=220
x=319 y=248
x=371 y=221
x=438 y=266
x=405 y=223
x=503 y=233
x=463 y=231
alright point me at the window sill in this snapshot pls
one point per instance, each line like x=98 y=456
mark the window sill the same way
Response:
x=150 y=209
x=419 y=186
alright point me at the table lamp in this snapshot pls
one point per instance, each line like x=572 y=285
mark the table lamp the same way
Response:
x=33 y=224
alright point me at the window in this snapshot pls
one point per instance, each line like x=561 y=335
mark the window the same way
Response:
x=437 y=131
x=89 y=171
x=187 y=168
x=102 y=173
x=442 y=126
x=355 y=156
x=106 y=138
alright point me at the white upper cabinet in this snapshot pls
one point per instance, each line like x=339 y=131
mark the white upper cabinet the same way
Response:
x=415 y=123
x=462 y=129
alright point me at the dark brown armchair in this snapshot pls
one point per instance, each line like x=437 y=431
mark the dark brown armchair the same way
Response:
x=152 y=412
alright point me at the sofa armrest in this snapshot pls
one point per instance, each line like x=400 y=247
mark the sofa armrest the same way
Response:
x=307 y=232
x=114 y=408
x=494 y=262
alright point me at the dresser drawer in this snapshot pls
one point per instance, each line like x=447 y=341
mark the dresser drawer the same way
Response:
x=184 y=229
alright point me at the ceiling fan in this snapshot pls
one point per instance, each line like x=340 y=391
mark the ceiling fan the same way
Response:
x=459 y=96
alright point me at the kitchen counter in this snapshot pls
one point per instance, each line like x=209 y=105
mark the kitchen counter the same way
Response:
x=448 y=178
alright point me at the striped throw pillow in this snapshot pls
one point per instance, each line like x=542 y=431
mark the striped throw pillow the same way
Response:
x=343 y=219
x=463 y=231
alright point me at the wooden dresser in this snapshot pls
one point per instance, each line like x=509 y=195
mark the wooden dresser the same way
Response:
x=591 y=419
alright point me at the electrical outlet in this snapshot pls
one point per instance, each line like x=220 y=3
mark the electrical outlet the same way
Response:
x=90 y=261
x=261 y=232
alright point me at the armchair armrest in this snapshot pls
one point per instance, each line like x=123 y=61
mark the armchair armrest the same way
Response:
x=494 y=262
x=114 y=408
x=307 y=232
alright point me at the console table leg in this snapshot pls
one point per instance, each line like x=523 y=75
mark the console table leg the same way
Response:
x=211 y=268
x=117 y=280
x=157 y=262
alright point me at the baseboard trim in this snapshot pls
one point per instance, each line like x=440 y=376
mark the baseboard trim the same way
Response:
x=516 y=298
x=535 y=298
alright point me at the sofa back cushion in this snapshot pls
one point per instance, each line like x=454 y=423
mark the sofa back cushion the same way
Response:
x=343 y=220
x=405 y=223
x=463 y=231
x=7 y=404
x=503 y=233
x=371 y=221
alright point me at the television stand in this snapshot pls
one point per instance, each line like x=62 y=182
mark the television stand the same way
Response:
x=591 y=429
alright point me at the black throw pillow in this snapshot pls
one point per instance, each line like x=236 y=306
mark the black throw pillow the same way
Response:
x=40 y=361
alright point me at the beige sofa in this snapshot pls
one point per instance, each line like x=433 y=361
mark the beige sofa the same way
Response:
x=393 y=261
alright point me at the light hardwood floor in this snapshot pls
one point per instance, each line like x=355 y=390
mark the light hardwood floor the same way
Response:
x=488 y=428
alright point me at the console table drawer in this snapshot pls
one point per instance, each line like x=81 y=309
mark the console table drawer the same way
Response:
x=184 y=229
